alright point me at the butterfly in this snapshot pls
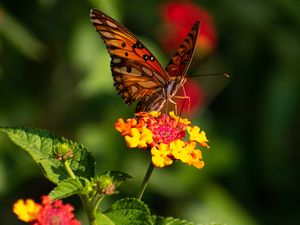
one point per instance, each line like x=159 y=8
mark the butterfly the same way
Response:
x=137 y=74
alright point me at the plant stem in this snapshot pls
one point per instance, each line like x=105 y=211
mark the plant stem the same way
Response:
x=96 y=202
x=87 y=207
x=145 y=181
x=69 y=170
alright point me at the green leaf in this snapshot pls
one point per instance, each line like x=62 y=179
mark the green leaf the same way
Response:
x=102 y=219
x=158 y=220
x=129 y=211
x=42 y=145
x=66 y=188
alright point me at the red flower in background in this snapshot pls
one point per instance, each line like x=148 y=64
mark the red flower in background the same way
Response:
x=55 y=212
x=179 y=17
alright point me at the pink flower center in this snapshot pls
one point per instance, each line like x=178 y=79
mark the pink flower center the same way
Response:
x=55 y=213
x=166 y=129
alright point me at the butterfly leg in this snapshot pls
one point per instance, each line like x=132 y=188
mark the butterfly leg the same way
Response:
x=184 y=98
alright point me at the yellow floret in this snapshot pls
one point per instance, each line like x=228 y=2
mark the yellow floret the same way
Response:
x=139 y=139
x=179 y=119
x=26 y=210
x=160 y=156
x=196 y=135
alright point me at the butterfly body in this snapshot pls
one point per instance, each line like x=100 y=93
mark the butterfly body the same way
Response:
x=137 y=74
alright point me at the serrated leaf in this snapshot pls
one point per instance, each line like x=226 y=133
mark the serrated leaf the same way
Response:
x=41 y=145
x=66 y=188
x=129 y=211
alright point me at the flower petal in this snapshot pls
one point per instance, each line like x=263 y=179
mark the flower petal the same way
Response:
x=160 y=156
x=132 y=140
x=179 y=119
x=26 y=210
x=196 y=135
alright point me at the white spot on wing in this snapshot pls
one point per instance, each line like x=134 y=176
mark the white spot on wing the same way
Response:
x=134 y=89
x=106 y=34
x=123 y=68
x=98 y=21
x=158 y=77
x=135 y=71
x=148 y=84
x=111 y=24
x=147 y=71
x=116 y=60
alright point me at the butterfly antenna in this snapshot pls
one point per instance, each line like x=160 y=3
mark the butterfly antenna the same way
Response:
x=211 y=74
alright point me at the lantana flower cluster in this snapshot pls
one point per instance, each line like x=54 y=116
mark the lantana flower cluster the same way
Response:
x=167 y=137
x=47 y=213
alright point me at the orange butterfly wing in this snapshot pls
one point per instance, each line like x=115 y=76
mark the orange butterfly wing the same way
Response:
x=180 y=62
x=176 y=69
x=136 y=72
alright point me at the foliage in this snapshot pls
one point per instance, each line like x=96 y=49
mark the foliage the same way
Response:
x=75 y=175
x=54 y=74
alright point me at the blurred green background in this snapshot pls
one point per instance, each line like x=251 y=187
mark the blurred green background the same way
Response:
x=55 y=75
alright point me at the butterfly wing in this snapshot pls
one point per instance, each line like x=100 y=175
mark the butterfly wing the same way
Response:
x=136 y=72
x=180 y=62
x=176 y=69
x=152 y=103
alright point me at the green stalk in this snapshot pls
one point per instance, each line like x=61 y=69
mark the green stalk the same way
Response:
x=145 y=181
x=88 y=209
x=96 y=202
x=69 y=170
x=90 y=204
